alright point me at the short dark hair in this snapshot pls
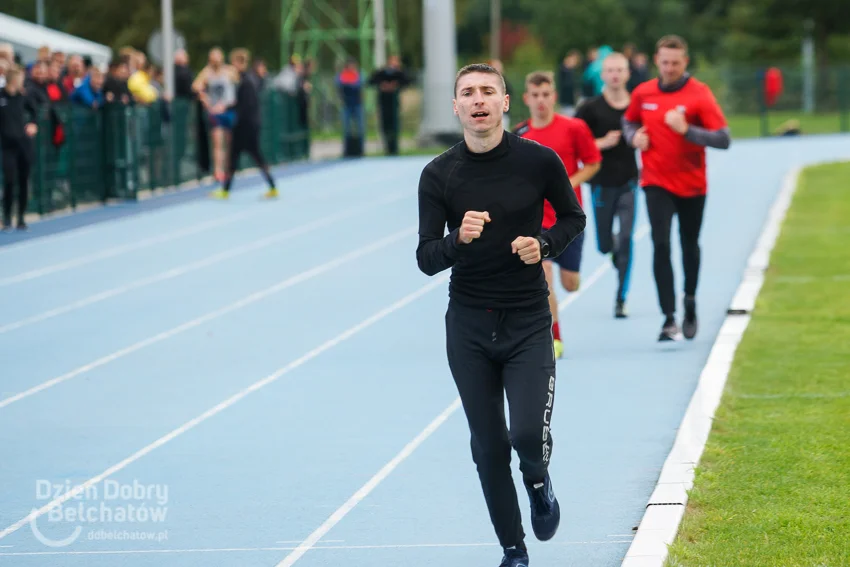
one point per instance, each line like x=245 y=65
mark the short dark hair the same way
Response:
x=538 y=78
x=480 y=68
x=671 y=42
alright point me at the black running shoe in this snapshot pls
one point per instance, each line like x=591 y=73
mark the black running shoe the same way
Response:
x=689 y=324
x=545 y=510
x=670 y=330
x=514 y=558
x=620 y=310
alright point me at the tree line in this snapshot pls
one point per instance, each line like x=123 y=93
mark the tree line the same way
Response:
x=719 y=31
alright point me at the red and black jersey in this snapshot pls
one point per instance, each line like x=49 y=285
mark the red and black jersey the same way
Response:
x=671 y=161
x=572 y=140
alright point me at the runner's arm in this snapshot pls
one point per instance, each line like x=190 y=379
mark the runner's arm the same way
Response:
x=435 y=251
x=714 y=131
x=720 y=139
x=571 y=218
x=631 y=117
x=588 y=153
x=629 y=130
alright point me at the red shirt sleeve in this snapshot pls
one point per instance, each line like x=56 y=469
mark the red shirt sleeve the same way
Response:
x=632 y=113
x=710 y=113
x=588 y=153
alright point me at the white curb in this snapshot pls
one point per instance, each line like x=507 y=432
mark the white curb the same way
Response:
x=666 y=506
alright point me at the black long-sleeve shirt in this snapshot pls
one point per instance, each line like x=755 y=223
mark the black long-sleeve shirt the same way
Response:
x=510 y=182
x=247 y=104
x=16 y=111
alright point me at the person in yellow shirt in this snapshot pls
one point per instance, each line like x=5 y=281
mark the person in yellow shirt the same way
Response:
x=139 y=82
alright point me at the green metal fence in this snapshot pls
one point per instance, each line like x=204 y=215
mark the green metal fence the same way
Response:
x=117 y=151
x=817 y=106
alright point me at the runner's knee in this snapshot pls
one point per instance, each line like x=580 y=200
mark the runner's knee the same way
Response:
x=570 y=280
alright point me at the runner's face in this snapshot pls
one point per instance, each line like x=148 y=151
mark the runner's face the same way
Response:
x=671 y=64
x=480 y=101
x=615 y=72
x=540 y=99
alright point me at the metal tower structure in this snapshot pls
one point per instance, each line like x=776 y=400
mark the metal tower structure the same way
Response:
x=365 y=30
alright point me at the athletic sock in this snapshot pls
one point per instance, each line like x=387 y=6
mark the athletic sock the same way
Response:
x=556 y=331
x=690 y=306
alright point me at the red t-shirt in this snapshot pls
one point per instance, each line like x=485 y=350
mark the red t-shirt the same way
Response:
x=573 y=141
x=671 y=161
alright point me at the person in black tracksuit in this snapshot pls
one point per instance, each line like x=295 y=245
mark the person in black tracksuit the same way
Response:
x=489 y=190
x=390 y=80
x=614 y=187
x=246 y=131
x=17 y=128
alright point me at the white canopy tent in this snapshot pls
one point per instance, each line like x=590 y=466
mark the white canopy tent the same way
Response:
x=27 y=38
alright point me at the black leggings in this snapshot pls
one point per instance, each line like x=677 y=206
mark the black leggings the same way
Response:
x=491 y=354
x=16 y=171
x=661 y=205
x=246 y=139
x=610 y=203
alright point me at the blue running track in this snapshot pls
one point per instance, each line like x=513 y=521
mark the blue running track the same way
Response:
x=274 y=372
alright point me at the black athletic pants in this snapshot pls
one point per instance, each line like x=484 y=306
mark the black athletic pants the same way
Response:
x=610 y=203
x=661 y=205
x=17 y=162
x=493 y=353
x=246 y=138
x=390 y=124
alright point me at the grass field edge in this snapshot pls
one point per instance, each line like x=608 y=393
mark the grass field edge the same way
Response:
x=666 y=506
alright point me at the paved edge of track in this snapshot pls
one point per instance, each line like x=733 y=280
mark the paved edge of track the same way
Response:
x=667 y=504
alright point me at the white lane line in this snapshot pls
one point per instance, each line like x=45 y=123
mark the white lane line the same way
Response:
x=364 y=491
x=323 y=541
x=80 y=488
x=310 y=542
x=202 y=263
x=245 y=301
x=283 y=548
x=167 y=237
x=124 y=248
x=294 y=181
x=667 y=504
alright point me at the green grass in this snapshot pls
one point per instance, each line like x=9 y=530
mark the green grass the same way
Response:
x=750 y=125
x=743 y=126
x=773 y=486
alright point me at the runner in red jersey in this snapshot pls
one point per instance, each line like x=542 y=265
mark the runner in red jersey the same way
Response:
x=573 y=141
x=671 y=120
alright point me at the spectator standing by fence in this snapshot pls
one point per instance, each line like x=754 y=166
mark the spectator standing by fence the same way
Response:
x=350 y=85
x=90 y=90
x=390 y=80
x=569 y=80
x=115 y=89
x=17 y=128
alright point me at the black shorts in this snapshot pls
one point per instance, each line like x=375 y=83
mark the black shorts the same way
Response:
x=570 y=259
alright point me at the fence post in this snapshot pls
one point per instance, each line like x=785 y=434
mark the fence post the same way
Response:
x=843 y=98
x=43 y=126
x=763 y=116
x=71 y=148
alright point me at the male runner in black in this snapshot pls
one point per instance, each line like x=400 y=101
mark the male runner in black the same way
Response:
x=489 y=190
x=246 y=132
x=614 y=187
